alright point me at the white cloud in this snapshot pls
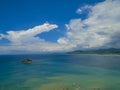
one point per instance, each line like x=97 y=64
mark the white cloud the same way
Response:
x=100 y=30
x=26 y=41
x=28 y=36
x=79 y=11
x=84 y=8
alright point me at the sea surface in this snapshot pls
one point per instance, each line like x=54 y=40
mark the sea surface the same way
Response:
x=60 y=72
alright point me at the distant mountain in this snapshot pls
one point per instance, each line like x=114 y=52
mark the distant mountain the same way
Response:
x=98 y=51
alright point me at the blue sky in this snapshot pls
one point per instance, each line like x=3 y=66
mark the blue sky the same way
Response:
x=24 y=14
x=19 y=15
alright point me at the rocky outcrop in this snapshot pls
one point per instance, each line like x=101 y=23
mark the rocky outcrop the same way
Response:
x=27 y=61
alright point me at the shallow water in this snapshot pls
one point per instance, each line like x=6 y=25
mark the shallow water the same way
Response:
x=60 y=72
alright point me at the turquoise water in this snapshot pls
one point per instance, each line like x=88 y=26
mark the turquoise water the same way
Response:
x=60 y=72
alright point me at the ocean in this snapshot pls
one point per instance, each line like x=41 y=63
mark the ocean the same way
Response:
x=60 y=72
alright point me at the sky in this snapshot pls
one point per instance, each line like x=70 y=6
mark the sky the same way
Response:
x=39 y=26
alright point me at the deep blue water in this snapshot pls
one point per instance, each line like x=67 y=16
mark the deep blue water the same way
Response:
x=92 y=72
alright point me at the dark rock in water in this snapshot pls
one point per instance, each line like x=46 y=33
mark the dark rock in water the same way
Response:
x=27 y=61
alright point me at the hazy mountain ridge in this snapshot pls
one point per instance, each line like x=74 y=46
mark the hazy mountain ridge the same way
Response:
x=98 y=51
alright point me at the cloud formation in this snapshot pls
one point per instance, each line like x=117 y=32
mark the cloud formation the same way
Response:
x=27 y=40
x=27 y=36
x=101 y=29
x=83 y=9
